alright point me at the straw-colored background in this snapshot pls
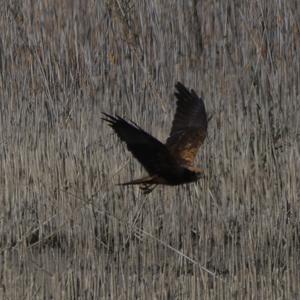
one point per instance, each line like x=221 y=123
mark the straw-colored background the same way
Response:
x=67 y=232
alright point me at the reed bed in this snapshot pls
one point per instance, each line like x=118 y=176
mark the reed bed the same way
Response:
x=67 y=231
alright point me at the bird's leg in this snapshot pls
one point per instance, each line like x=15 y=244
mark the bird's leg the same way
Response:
x=148 y=188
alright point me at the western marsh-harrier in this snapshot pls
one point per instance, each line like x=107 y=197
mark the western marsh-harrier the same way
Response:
x=170 y=163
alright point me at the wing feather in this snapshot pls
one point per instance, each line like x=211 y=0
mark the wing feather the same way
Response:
x=150 y=152
x=189 y=127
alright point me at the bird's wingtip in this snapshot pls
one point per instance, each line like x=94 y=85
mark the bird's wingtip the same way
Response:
x=108 y=118
x=179 y=85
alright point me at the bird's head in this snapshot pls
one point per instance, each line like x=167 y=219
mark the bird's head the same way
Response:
x=200 y=174
x=195 y=173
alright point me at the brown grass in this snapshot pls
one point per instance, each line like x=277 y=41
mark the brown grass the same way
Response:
x=67 y=232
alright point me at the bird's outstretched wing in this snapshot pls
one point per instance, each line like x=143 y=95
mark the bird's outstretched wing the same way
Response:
x=150 y=152
x=189 y=126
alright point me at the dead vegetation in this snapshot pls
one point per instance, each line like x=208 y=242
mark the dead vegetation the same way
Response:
x=66 y=232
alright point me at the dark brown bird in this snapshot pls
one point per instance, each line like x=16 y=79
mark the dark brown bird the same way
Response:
x=170 y=163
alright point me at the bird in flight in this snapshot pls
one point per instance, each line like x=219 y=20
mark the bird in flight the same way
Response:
x=170 y=163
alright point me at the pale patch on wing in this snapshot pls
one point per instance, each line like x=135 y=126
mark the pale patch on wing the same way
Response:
x=184 y=147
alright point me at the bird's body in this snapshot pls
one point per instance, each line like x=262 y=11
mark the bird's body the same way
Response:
x=170 y=163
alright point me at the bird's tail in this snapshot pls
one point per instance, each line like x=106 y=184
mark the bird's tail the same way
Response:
x=144 y=180
x=147 y=183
